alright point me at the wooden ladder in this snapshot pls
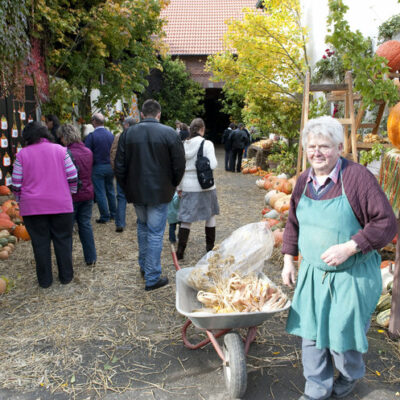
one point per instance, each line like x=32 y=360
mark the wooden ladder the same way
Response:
x=351 y=122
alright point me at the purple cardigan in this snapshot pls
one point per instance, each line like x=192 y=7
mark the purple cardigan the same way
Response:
x=44 y=187
x=369 y=203
x=83 y=159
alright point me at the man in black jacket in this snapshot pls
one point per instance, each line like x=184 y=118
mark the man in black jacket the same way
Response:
x=150 y=163
x=227 y=145
x=238 y=139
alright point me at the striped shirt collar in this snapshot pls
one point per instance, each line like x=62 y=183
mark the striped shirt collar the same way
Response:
x=333 y=176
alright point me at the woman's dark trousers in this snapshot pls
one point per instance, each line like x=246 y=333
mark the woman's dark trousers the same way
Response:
x=47 y=228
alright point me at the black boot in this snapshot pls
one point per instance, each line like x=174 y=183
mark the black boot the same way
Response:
x=210 y=238
x=183 y=236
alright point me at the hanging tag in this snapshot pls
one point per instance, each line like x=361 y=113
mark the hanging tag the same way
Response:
x=19 y=147
x=6 y=160
x=4 y=124
x=14 y=131
x=4 y=141
x=8 y=179
x=22 y=114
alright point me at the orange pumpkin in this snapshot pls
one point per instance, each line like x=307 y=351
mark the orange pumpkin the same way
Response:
x=4 y=190
x=6 y=224
x=269 y=182
x=21 y=233
x=245 y=171
x=4 y=215
x=278 y=183
x=253 y=170
x=391 y=51
x=386 y=263
x=393 y=125
x=282 y=204
x=293 y=181
x=286 y=187
x=9 y=204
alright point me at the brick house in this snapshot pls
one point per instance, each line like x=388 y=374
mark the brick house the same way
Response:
x=194 y=30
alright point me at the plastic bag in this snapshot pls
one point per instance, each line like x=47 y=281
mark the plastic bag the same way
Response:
x=243 y=252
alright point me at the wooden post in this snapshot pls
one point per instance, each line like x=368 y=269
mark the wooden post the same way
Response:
x=394 y=324
x=304 y=118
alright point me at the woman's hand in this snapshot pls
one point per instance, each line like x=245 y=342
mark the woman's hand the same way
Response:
x=289 y=271
x=339 y=253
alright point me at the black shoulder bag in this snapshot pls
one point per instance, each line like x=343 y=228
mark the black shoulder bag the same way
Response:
x=204 y=172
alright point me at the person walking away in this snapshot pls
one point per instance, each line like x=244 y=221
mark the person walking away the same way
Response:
x=227 y=145
x=99 y=142
x=184 y=132
x=120 y=216
x=53 y=123
x=196 y=204
x=339 y=217
x=172 y=217
x=238 y=140
x=150 y=163
x=43 y=179
x=248 y=142
x=82 y=157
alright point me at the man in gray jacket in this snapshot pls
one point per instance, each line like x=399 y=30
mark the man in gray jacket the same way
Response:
x=150 y=163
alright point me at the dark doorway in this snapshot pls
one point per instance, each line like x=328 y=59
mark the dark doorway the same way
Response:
x=216 y=121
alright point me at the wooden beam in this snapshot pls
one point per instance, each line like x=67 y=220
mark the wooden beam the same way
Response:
x=327 y=87
x=304 y=119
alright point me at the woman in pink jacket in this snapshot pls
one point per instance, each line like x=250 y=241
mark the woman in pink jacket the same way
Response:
x=42 y=181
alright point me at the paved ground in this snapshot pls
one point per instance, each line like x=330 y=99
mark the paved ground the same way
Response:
x=137 y=351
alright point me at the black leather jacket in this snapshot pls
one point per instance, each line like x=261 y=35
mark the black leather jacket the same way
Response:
x=150 y=163
x=239 y=139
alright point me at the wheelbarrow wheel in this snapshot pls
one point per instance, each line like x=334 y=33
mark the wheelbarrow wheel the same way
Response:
x=235 y=365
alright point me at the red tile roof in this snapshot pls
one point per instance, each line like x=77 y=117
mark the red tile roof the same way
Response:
x=196 y=27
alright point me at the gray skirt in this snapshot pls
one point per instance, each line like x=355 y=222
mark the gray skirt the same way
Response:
x=198 y=206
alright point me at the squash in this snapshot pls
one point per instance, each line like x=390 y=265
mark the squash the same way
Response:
x=269 y=182
x=3 y=241
x=271 y=222
x=253 y=170
x=260 y=183
x=278 y=183
x=287 y=187
x=3 y=255
x=4 y=190
x=12 y=239
x=383 y=318
x=393 y=125
x=21 y=233
x=384 y=302
x=265 y=210
x=268 y=196
x=4 y=233
x=282 y=204
x=6 y=224
x=293 y=181
x=391 y=51
x=275 y=198
x=272 y=214
x=245 y=171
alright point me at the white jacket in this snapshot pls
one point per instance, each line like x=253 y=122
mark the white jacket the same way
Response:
x=189 y=181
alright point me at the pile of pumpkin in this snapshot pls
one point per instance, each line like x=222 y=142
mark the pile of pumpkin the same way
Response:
x=11 y=223
x=277 y=202
x=257 y=171
x=385 y=301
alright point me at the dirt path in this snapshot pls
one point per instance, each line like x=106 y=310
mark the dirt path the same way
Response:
x=104 y=337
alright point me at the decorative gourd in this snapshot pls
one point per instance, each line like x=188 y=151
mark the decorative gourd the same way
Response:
x=265 y=210
x=4 y=190
x=3 y=255
x=383 y=318
x=21 y=233
x=393 y=125
x=391 y=51
x=253 y=170
x=11 y=208
x=260 y=183
x=268 y=196
x=245 y=171
x=275 y=198
x=271 y=222
x=272 y=214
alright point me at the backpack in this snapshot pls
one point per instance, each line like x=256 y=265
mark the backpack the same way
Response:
x=204 y=172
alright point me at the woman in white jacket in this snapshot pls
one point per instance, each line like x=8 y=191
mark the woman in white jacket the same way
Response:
x=196 y=204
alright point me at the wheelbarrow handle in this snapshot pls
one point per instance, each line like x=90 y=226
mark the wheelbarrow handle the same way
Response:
x=174 y=257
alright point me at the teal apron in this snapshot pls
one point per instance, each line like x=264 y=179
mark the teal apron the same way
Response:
x=332 y=305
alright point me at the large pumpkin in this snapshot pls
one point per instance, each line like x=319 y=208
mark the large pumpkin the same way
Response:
x=391 y=51
x=393 y=125
x=4 y=190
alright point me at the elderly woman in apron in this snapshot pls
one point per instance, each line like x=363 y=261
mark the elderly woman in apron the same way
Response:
x=339 y=217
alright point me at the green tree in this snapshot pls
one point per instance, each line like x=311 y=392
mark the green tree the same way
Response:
x=264 y=65
x=106 y=45
x=14 y=42
x=370 y=71
x=180 y=96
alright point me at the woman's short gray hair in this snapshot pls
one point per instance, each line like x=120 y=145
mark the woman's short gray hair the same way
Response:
x=325 y=126
x=69 y=133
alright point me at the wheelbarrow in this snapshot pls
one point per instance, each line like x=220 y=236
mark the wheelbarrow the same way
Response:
x=234 y=349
